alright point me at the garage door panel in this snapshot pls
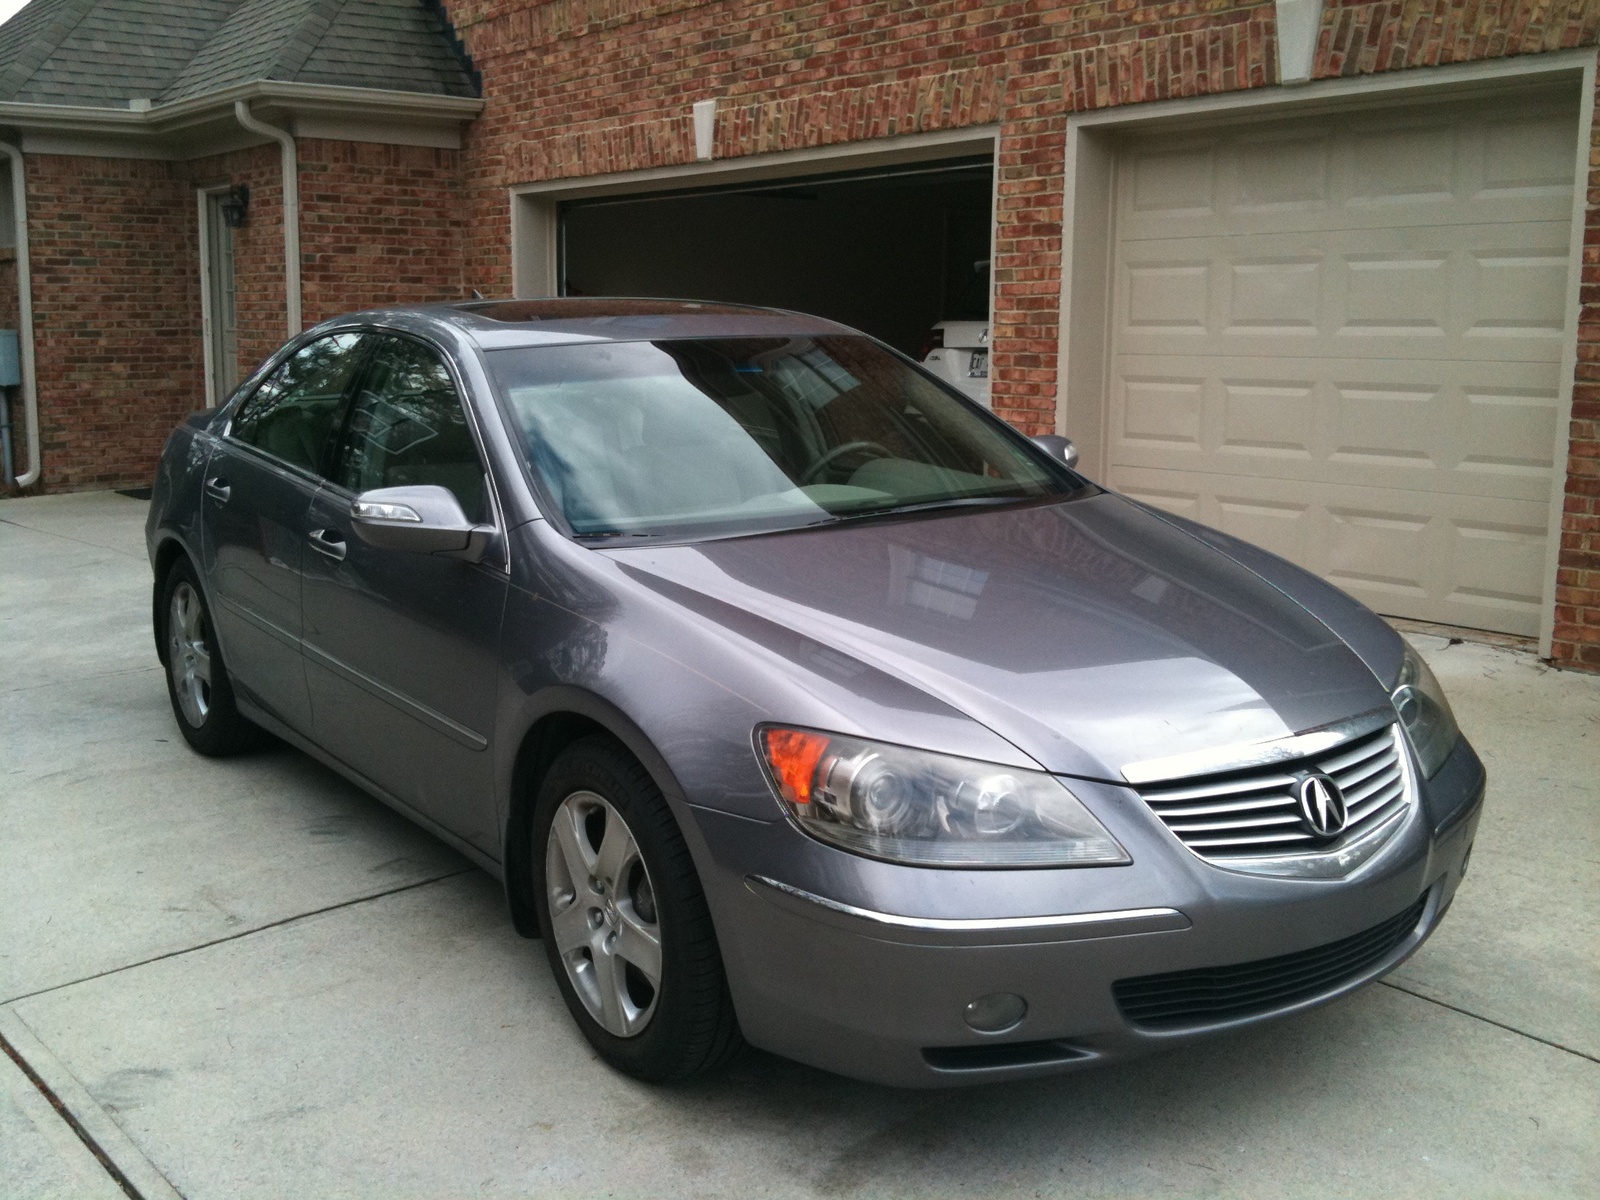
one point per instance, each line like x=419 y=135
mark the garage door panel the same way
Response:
x=1485 y=429
x=1488 y=162
x=1509 y=432
x=1519 y=292
x=1487 y=292
x=1468 y=560
x=1340 y=339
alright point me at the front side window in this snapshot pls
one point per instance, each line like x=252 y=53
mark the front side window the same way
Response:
x=407 y=427
x=716 y=436
x=292 y=415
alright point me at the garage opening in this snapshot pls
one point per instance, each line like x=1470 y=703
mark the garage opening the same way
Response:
x=893 y=252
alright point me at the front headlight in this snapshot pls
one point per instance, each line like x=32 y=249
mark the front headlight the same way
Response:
x=1424 y=713
x=926 y=809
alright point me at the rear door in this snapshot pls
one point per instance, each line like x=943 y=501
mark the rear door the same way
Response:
x=401 y=647
x=257 y=498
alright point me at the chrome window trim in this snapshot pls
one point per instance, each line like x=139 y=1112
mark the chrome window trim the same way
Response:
x=1244 y=755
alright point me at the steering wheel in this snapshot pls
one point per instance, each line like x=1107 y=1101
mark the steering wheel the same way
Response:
x=840 y=451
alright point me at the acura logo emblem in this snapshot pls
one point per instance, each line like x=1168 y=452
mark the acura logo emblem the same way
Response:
x=1322 y=809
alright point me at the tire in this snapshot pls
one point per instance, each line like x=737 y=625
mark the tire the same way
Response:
x=197 y=678
x=624 y=919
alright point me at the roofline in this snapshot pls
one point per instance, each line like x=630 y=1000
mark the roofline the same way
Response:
x=299 y=99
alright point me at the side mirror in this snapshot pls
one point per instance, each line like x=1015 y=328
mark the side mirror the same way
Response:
x=424 y=519
x=1057 y=447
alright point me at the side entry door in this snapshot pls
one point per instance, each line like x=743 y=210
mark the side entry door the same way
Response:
x=401 y=647
x=257 y=490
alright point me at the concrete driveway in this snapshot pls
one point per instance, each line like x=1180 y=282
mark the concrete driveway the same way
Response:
x=244 y=978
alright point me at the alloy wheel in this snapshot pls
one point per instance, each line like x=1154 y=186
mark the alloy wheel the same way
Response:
x=603 y=913
x=188 y=656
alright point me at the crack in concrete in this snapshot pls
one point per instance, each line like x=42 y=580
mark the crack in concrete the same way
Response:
x=233 y=937
x=67 y=537
x=1532 y=1037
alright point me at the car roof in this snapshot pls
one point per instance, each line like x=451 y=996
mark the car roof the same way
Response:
x=551 y=320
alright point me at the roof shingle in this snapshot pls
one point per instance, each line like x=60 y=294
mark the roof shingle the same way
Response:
x=104 y=53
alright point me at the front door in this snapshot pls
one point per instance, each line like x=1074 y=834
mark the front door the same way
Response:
x=401 y=648
x=258 y=487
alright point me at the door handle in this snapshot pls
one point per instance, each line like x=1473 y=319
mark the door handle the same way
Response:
x=328 y=542
x=217 y=488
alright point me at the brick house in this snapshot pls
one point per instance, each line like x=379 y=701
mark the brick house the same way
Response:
x=1325 y=273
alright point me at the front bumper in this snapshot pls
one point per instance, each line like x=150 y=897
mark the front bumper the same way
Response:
x=866 y=968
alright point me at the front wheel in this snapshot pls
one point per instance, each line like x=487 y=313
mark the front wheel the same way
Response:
x=197 y=679
x=624 y=920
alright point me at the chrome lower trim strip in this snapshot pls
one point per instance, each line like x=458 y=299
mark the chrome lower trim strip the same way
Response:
x=1243 y=755
x=1067 y=927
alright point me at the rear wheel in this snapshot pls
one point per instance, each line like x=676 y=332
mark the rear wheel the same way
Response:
x=197 y=678
x=624 y=920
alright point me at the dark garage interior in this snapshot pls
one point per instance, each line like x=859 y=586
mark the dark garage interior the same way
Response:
x=890 y=251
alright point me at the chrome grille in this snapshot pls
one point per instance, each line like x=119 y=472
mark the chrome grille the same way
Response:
x=1253 y=814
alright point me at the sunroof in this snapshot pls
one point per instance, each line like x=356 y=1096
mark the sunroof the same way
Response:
x=568 y=308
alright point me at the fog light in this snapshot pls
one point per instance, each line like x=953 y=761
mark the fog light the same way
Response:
x=996 y=1013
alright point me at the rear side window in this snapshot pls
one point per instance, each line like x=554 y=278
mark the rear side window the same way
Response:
x=293 y=414
x=407 y=427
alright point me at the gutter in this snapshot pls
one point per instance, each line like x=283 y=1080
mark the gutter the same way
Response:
x=291 y=209
x=30 y=387
x=167 y=119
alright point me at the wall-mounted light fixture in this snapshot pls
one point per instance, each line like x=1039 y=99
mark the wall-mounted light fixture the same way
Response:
x=235 y=206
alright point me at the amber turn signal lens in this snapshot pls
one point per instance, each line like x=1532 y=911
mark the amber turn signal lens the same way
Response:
x=793 y=756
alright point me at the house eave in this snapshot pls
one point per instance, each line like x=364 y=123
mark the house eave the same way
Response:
x=202 y=125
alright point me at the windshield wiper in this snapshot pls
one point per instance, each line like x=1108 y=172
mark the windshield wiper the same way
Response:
x=605 y=534
x=924 y=506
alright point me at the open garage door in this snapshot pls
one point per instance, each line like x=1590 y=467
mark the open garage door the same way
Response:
x=1341 y=338
x=892 y=252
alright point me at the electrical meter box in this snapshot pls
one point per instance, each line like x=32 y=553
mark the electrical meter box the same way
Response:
x=10 y=359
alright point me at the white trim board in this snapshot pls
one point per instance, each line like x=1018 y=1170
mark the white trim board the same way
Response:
x=1086 y=244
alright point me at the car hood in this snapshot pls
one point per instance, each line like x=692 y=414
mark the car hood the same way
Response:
x=1088 y=632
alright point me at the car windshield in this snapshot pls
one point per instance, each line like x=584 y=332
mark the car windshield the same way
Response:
x=690 y=438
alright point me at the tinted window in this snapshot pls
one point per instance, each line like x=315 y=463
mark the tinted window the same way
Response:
x=406 y=427
x=724 y=435
x=292 y=415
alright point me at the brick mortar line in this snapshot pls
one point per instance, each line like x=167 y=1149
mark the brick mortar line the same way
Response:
x=1532 y=1037
x=233 y=937
x=65 y=1113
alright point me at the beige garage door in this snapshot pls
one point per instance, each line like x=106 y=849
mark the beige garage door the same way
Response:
x=1341 y=339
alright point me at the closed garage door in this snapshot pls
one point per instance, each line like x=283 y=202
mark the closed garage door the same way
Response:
x=1341 y=339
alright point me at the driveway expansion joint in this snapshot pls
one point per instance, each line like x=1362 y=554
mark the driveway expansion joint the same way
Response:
x=1532 y=1037
x=65 y=1113
x=233 y=937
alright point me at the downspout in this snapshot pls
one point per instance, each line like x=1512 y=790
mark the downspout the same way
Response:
x=30 y=388
x=291 y=209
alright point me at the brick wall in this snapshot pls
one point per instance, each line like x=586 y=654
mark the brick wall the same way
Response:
x=8 y=287
x=379 y=225
x=1577 y=632
x=115 y=304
